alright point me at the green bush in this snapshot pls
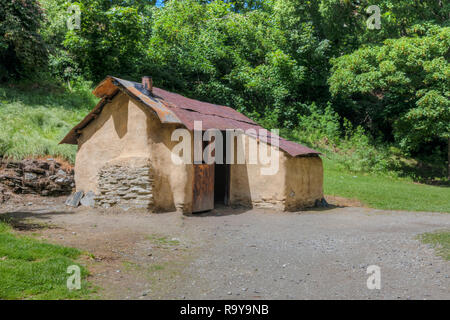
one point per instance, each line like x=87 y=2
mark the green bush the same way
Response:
x=351 y=148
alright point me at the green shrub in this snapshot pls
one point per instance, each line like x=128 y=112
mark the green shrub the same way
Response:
x=350 y=147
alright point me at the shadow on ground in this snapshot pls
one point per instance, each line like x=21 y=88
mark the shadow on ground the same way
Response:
x=30 y=220
x=222 y=210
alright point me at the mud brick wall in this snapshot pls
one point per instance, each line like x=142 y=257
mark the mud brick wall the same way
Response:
x=126 y=187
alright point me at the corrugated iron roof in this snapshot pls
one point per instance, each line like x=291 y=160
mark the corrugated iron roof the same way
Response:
x=174 y=108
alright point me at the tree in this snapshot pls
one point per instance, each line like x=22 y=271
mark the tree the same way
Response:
x=248 y=60
x=400 y=88
x=110 y=40
x=22 y=50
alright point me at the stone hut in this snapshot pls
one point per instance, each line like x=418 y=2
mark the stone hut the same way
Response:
x=126 y=155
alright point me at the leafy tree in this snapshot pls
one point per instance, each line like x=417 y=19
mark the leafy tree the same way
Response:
x=246 y=60
x=400 y=87
x=342 y=24
x=22 y=50
x=110 y=40
x=242 y=5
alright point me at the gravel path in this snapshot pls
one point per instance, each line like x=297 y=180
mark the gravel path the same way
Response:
x=254 y=254
x=320 y=255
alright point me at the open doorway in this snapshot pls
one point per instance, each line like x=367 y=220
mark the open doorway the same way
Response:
x=211 y=183
x=221 y=183
x=222 y=177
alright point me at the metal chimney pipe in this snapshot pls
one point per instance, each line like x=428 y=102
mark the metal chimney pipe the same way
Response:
x=147 y=83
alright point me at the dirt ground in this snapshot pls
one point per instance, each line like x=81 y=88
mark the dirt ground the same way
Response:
x=244 y=254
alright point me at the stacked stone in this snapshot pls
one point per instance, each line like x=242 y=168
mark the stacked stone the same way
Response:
x=126 y=187
x=43 y=177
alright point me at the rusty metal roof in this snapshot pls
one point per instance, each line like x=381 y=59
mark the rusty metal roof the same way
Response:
x=174 y=108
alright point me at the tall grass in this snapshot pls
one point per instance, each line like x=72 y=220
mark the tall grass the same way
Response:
x=33 y=119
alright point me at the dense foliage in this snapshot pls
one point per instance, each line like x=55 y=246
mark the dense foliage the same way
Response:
x=401 y=88
x=110 y=40
x=313 y=68
x=21 y=45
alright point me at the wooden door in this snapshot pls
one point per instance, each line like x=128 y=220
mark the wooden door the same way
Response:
x=203 y=194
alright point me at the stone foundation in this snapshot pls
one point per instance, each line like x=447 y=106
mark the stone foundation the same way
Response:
x=126 y=187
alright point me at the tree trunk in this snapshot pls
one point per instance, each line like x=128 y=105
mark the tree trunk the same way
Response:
x=448 y=158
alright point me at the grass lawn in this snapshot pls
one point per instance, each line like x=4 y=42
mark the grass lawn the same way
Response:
x=440 y=240
x=384 y=192
x=32 y=269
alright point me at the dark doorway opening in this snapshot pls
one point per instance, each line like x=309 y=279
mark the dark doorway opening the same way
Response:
x=221 y=183
x=222 y=176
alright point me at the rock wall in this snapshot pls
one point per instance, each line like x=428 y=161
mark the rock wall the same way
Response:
x=125 y=186
x=30 y=176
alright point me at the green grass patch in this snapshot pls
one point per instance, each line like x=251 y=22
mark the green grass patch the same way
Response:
x=32 y=269
x=155 y=267
x=162 y=240
x=33 y=121
x=439 y=240
x=131 y=266
x=384 y=192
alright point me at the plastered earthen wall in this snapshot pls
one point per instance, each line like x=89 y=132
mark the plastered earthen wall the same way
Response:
x=110 y=137
x=297 y=184
x=248 y=187
x=128 y=133
x=304 y=182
